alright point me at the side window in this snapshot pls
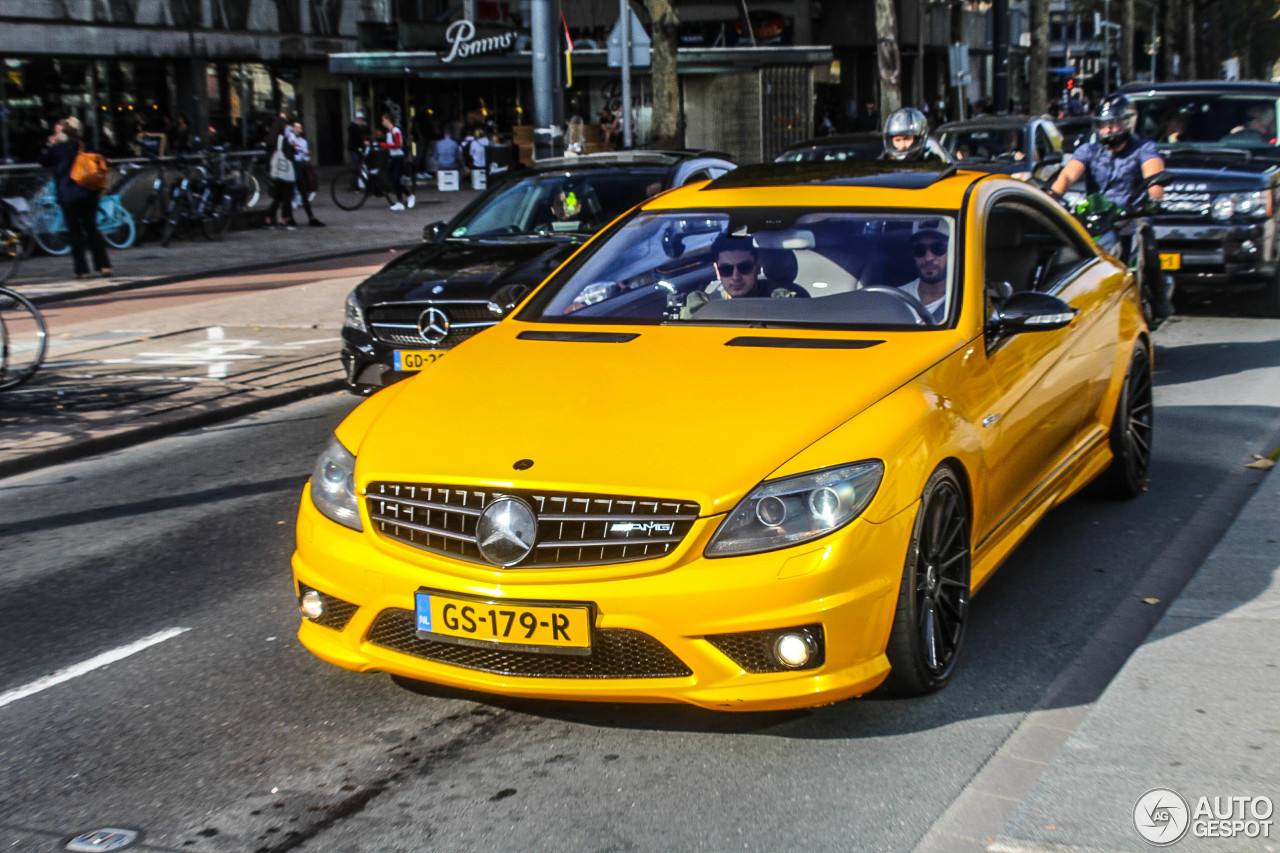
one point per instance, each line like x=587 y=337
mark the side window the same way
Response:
x=1027 y=250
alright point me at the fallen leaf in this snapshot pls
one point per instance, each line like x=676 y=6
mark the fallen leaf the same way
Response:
x=1151 y=601
x=1262 y=463
x=1051 y=826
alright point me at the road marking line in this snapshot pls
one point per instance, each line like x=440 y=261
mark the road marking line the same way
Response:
x=79 y=669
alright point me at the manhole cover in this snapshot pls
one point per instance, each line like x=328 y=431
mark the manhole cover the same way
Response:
x=97 y=840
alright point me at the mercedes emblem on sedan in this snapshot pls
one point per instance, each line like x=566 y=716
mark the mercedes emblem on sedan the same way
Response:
x=433 y=325
x=506 y=530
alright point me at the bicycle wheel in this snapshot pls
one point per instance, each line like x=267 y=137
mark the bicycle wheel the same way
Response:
x=218 y=219
x=115 y=223
x=50 y=230
x=151 y=222
x=173 y=221
x=349 y=189
x=252 y=190
x=10 y=252
x=23 y=339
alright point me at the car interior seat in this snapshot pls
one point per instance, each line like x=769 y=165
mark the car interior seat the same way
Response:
x=779 y=266
x=1010 y=256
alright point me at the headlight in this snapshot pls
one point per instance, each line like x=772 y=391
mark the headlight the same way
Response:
x=1256 y=204
x=1223 y=207
x=791 y=510
x=353 y=315
x=333 y=485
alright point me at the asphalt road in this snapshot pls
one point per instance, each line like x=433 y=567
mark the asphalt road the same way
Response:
x=228 y=736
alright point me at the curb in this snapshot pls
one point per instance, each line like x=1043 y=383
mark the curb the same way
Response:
x=128 y=437
x=257 y=266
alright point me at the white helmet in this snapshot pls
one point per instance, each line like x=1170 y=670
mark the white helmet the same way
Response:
x=906 y=122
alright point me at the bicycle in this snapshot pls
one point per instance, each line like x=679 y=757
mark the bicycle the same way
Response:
x=200 y=199
x=12 y=233
x=114 y=221
x=351 y=188
x=23 y=338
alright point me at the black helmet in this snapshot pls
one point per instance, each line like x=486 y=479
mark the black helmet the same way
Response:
x=1114 y=121
x=906 y=122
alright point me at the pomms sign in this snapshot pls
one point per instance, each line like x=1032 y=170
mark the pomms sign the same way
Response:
x=461 y=36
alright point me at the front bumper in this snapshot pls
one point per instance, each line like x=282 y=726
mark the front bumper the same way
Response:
x=647 y=614
x=368 y=363
x=1218 y=257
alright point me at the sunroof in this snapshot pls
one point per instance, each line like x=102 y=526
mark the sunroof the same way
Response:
x=889 y=174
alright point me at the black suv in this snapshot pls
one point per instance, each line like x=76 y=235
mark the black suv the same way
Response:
x=1215 y=229
x=474 y=269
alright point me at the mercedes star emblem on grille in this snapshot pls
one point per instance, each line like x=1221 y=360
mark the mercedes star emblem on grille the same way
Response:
x=506 y=530
x=433 y=325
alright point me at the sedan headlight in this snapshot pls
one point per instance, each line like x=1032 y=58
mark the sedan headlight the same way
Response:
x=353 y=315
x=785 y=512
x=1256 y=205
x=333 y=485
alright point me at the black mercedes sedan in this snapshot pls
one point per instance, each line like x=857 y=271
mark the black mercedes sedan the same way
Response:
x=474 y=269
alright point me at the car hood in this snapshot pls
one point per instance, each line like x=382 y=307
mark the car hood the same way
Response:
x=674 y=413
x=471 y=269
x=1217 y=172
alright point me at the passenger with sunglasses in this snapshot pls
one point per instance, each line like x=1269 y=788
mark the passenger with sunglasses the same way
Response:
x=737 y=269
x=929 y=241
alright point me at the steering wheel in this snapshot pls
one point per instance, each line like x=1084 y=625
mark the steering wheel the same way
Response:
x=923 y=317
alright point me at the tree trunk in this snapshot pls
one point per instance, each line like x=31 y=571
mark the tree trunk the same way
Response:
x=1172 y=42
x=1127 y=35
x=1192 y=72
x=667 y=127
x=1038 y=65
x=889 y=60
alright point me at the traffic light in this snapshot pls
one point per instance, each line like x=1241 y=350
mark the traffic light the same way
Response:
x=1071 y=83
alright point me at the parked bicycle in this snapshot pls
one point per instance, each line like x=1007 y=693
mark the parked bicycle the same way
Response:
x=49 y=227
x=204 y=198
x=352 y=187
x=14 y=226
x=23 y=338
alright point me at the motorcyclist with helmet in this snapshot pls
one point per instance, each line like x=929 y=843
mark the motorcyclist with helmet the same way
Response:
x=1114 y=166
x=906 y=137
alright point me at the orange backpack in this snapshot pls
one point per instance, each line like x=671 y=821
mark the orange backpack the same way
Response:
x=89 y=171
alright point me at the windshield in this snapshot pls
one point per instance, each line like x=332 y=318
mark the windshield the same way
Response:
x=558 y=203
x=761 y=267
x=868 y=149
x=985 y=144
x=1207 y=120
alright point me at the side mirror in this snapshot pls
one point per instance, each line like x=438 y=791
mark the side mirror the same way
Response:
x=506 y=298
x=1030 y=311
x=434 y=232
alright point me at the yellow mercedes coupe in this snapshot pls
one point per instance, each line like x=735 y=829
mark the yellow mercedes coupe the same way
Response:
x=753 y=446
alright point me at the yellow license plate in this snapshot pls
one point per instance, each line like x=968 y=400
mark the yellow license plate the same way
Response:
x=1170 y=261
x=519 y=625
x=411 y=360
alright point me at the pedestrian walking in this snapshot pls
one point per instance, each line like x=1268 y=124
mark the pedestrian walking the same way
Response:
x=283 y=178
x=79 y=202
x=305 y=175
x=393 y=144
x=357 y=136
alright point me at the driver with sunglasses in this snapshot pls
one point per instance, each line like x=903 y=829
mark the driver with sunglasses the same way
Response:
x=738 y=272
x=929 y=240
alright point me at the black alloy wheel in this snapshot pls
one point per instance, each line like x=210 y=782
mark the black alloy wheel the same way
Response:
x=933 y=600
x=1266 y=303
x=1132 y=429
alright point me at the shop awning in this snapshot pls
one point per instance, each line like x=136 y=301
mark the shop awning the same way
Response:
x=703 y=60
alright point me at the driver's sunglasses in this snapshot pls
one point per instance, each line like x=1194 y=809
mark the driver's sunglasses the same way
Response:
x=743 y=267
x=933 y=247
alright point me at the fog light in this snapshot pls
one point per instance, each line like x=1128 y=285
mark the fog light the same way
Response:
x=1249 y=247
x=311 y=604
x=794 y=650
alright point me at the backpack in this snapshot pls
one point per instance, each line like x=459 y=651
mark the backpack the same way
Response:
x=89 y=171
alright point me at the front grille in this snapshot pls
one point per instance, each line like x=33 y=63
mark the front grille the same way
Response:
x=615 y=653
x=396 y=323
x=337 y=613
x=1186 y=203
x=574 y=529
x=753 y=650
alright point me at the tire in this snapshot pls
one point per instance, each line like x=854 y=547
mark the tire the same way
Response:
x=23 y=339
x=346 y=190
x=1131 y=430
x=50 y=231
x=10 y=253
x=217 y=220
x=172 y=222
x=252 y=190
x=933 y=600
x=151 y=222
x=1266 y=303
x=116 y=225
